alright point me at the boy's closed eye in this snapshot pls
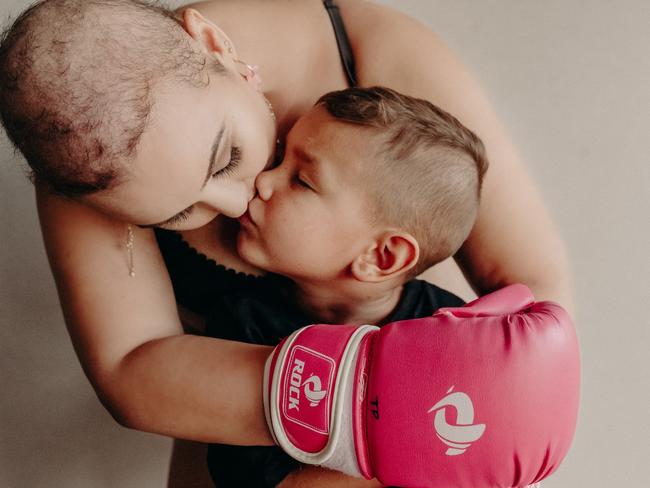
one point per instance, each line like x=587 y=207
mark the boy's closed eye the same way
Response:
x=301 y=180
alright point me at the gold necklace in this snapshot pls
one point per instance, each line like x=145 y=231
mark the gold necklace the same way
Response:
x=275 y=120
x=270 y=107
x=130 y=244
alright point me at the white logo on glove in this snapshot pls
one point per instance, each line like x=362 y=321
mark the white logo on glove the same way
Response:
x=460 y=436
x=314 y=394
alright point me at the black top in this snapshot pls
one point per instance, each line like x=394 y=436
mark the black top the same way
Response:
x=197 y=280
x=264 y=314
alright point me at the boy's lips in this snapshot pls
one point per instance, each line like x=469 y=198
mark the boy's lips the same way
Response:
x=246 y=219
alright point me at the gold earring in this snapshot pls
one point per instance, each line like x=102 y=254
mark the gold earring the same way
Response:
x=130 y=239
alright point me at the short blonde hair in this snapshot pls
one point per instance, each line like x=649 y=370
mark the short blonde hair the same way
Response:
x=427 y=174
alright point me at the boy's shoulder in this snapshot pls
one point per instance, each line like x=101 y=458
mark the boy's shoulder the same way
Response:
x=445 y=297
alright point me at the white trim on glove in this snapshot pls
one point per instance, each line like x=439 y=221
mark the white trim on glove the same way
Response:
x=341 y=412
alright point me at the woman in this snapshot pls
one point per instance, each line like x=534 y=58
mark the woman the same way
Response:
x=125 y=326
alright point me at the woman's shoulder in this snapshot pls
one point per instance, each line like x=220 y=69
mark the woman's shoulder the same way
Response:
x=406 y=46
x=369 y=22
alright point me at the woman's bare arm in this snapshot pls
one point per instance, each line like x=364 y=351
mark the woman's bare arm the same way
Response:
x=129 y=339
x=514 y=239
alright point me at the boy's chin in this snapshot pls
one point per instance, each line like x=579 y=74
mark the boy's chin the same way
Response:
x=249 y=251
x=253 y=253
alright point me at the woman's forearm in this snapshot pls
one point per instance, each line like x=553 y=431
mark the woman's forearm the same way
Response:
x=192 y=387
x=130 y=342
x=515 y=238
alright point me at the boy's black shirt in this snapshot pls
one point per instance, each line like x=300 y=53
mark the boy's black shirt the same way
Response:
x=263 y=314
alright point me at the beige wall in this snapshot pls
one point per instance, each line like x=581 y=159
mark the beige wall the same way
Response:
x=571 y=81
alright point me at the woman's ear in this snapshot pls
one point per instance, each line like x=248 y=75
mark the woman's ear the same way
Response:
x=391 y=254
x=210 y=37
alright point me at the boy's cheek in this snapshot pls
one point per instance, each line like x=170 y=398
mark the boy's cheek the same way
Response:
x=248 y=250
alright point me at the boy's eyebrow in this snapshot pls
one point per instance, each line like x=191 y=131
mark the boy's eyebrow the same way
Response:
x=323 y=176
x=211 y=164
x=307 y=157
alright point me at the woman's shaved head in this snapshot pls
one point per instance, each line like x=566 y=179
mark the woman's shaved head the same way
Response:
x=76 y=81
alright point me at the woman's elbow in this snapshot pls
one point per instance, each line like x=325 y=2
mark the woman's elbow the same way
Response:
x=112 y=393
x=551 y=282
x=117 y=407
x=557 y=286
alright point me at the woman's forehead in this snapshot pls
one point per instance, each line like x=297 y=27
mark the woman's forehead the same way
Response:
x=181 y=129
x=173 y=154
x=177 y=106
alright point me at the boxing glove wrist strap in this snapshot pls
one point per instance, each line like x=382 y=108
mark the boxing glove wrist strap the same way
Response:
x=308 y=388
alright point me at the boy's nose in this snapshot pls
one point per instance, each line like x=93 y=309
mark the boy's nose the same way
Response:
x=264 y=184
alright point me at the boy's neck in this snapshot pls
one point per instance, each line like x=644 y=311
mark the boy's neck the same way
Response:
x=346 y=303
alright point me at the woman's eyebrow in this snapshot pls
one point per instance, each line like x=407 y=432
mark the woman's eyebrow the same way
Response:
x=213 y=155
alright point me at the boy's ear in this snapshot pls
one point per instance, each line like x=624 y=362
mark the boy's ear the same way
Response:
x=391 y=254
x=210 y=37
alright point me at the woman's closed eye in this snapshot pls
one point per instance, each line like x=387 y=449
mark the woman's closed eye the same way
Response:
x=235 y=159
x=179 y=218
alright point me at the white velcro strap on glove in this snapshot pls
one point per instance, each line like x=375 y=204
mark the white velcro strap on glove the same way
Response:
x=291 y=402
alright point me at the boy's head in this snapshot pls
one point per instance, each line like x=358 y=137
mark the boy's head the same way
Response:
x=374 y=184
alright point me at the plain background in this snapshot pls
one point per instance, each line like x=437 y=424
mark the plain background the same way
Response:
x=571 y=81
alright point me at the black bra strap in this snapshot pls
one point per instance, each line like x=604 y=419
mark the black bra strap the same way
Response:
x=345 y=51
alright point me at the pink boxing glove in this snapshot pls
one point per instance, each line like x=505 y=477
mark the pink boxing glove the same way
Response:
x=484 y=395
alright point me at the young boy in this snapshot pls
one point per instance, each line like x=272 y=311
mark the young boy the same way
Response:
x=375 y=187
